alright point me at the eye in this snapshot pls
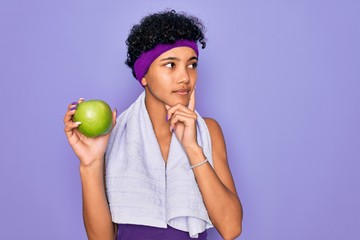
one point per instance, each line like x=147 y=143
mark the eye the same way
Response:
x=170 y=65
x=193 y=65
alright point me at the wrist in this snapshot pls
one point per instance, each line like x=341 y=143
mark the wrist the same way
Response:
x=92 y=177
x=94 y=166
x=195 y=154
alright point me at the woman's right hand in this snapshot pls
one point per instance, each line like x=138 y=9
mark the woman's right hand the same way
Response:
x=88 y=150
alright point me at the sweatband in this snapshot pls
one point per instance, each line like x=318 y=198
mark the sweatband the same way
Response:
x=144 y=61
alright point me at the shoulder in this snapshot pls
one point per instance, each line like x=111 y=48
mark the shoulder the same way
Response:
x=214 y=128
x=211 y=122
x=217 y=140
x=213 y=125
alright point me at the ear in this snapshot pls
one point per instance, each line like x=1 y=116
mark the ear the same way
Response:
x=143 y=81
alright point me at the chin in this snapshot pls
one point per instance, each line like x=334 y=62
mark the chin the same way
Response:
x=184 y=102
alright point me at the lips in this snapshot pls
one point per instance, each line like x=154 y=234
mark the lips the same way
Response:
x=182 y=91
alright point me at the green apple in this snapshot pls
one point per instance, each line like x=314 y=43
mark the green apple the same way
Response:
x=95 y=117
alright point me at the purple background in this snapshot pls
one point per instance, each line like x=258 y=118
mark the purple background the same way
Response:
x=281 y=77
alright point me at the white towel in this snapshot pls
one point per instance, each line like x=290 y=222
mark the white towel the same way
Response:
x=141 y=188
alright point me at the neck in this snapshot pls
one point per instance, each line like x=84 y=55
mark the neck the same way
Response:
x=157 y=113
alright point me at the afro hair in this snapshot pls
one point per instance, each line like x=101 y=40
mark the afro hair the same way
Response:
x=162 y=28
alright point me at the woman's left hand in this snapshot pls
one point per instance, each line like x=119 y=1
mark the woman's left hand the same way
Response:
x=183 y=122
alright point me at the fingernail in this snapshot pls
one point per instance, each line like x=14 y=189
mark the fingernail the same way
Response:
x=74 y=103
x=73 y=108
x=172 y=129
x=77 y=123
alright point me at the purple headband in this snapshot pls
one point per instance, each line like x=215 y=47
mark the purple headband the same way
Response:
x=143 y=62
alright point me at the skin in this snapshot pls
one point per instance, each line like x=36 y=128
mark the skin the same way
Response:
x=170 y=100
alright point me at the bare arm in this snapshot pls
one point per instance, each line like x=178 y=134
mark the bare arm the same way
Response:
x=90 y=151
x=217 y=186
x=96 y=212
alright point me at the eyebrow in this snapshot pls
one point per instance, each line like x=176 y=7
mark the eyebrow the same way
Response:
x=177 y=59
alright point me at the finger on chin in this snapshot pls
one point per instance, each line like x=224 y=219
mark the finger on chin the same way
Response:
x=192 y=101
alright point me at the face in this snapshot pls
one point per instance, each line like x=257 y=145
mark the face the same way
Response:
x=172 y=76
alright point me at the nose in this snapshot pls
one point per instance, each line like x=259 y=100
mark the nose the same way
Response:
x=184 y=76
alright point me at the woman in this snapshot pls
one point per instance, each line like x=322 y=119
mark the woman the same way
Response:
x=162 y=173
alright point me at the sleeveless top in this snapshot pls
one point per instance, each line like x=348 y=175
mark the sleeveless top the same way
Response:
x=141 y=232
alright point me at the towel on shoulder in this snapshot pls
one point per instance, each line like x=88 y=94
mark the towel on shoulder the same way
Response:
x=141 y=188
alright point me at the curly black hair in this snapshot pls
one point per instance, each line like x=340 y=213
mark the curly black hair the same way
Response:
x=162 y=28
